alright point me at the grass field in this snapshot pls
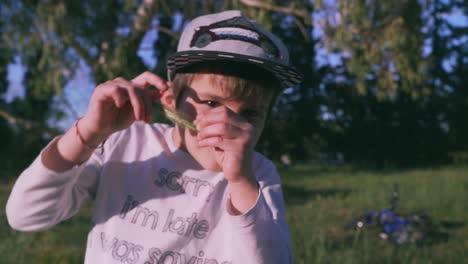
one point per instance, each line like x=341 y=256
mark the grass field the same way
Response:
x=319 y=200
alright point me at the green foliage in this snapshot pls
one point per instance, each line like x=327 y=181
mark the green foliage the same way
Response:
x=388 y=100
x=391 y=100
x=382 y=45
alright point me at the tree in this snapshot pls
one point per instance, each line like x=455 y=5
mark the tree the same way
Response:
x=385 y=109
x=52 y=38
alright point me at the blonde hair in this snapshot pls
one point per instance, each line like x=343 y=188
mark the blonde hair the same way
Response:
x=240 y=80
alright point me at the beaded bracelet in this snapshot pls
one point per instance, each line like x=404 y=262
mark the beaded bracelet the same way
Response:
x=83 y=141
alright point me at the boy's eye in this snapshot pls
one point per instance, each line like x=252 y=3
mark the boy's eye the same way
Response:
x=211 y=103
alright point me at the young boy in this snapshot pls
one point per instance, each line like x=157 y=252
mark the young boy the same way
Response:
x=167 y=194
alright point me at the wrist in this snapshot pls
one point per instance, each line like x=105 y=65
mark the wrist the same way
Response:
x=246 y=183
x=88 y=136
x=243 y=195
x=243 y=186
x=242 y=177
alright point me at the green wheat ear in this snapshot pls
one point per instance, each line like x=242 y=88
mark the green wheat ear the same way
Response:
x=179 y=118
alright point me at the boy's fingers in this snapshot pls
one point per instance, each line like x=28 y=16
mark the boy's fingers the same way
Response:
x=141 y=103
x=112 y=92
x=138 y=103
x=147 y=98
x=223 y=130
x=148 y=78
x=220 y=116
x=212 y=142
x=136 y=99
x=218 y=143
x=120 y=97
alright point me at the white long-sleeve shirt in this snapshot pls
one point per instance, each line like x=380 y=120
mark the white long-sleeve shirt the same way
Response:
x=153 y=203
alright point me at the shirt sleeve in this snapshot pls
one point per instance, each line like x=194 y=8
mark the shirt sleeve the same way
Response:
x=41 y=197
x=261 y=234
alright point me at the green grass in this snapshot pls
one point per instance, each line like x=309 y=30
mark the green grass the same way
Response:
x=64 y=243
x=319 y=200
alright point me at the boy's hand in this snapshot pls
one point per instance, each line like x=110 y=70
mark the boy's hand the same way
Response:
x=116 y=104
x=233 y=140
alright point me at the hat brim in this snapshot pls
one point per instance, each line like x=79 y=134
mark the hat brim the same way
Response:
x=287 y=75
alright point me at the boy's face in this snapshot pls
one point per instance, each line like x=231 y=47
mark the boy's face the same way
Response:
x=202 y=98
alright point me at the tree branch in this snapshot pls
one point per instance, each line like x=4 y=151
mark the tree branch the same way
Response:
x=143 y=20
x=83 y=52
x=281 y=9
x=16 y=121
x=302 y=28
x=168 y=32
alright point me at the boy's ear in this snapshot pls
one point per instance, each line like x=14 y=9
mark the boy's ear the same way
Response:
x=167 y=98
